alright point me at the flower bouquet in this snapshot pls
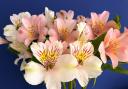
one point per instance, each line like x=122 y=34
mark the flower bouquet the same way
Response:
x=55 y=48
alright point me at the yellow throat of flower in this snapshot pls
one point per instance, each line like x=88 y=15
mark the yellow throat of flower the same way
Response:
x=49 y=58
x=81 y=56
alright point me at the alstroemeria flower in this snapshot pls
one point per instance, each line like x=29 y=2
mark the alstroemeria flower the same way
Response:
x=10 y=32
x=89 y=66
x=85 y=32
x=54 y=68
x=115 y=46
x=17 y=19
x=48 y=34
x=100 y=23
x=31 y=28
x=65 y=26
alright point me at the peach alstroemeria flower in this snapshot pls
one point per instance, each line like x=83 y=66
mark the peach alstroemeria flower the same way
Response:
x=89 y=66
x=115 y=46
x=100 y=23
x=31 y=28
x=54 y=68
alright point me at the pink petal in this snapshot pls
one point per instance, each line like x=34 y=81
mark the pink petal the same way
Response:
x=27 y=22
x=111 y=35
x=114 y=59
x=89 y=33
x=111 y=24
x=22 y=34
x=70 y=14
x=94 y=17
x=104 y=16
x=60 y=24
x=102 y=52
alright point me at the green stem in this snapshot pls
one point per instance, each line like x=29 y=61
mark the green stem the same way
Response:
x=117 y=69
x=74 y=84
x=83 y=88
x=64 y=85
x=70 y=86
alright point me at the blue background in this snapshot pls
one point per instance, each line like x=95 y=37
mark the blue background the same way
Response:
x=10 y=75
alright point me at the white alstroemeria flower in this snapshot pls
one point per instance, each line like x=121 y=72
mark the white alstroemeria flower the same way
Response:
x=10 y=32
x=89 y=66
x=49 y=14
x=54 y=68
x=16 y=19
x=22 y=49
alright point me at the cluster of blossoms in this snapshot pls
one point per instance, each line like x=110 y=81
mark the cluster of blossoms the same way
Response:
x=63 y=46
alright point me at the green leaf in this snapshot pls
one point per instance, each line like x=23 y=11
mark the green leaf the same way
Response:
x=96 y=42
x=117 y=20
x=83 y=87
x=13 y=50
x=117 y=69
x=34 y=59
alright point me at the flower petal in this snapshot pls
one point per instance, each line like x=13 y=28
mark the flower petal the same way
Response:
x=52 y=81
x=34 y=73
x=94 y=17
x=82 y=76
x=104 y=16
x=66 y=67
x=3 y=41
x=102 y=52
x=92 y=66
x=114 y=59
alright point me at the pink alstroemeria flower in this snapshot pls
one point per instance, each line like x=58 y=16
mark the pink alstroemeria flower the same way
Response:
x=48 y=34
x=115 y=46
x=100 y=23
x=31 y=28
x=65 y=26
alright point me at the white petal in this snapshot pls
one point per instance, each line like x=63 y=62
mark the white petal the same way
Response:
x=34 y=73
x=88 y=48
x=15 y=19
x=49 y=14
x=24 y=14
x=52 y=81
x=81 y=26
x=92 y=66
x=102 y=52
x=35 y=47
x=82 y=76
x=66 y=67
x=9 y=30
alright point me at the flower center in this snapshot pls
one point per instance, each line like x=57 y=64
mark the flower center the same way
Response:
x=49 y=58
x=113 y=46
x=81 y=56
x=64 y=33
x=98 y=28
